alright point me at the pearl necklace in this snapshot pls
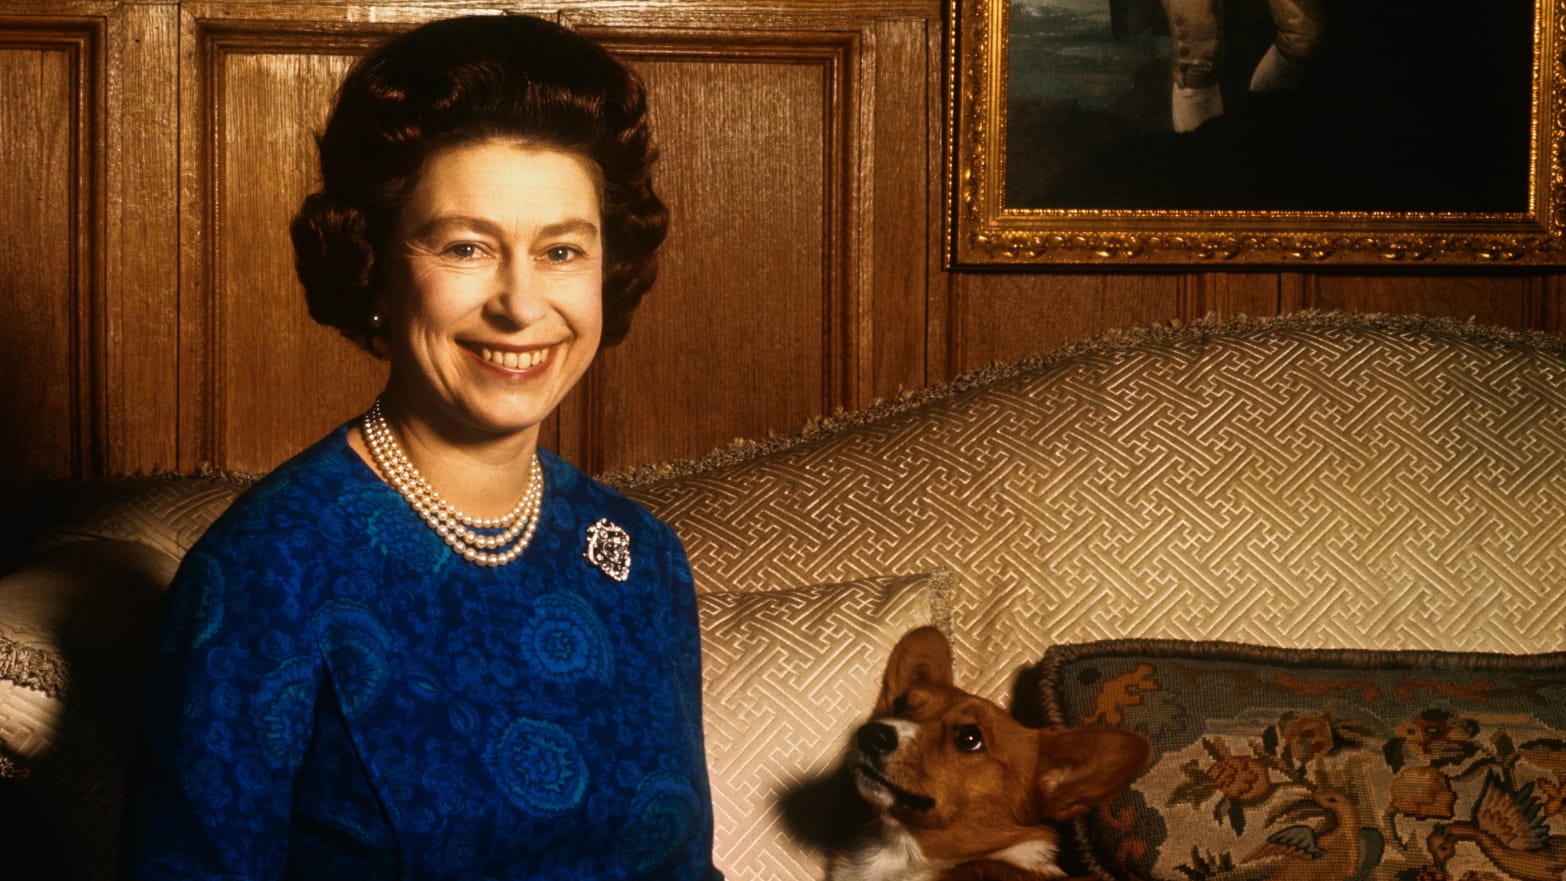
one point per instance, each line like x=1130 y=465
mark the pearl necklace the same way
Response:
x=457 y=529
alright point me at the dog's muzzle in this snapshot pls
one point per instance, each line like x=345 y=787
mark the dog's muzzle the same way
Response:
x=874 y=743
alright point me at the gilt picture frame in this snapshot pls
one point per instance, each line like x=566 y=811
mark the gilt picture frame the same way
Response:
x=1074 y=140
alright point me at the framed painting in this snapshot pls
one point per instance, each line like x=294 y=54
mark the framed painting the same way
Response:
x=1253 y=133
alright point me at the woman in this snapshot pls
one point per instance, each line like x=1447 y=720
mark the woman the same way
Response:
x=355 y=680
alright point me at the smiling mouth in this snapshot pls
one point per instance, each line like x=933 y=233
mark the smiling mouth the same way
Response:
x=511 y=360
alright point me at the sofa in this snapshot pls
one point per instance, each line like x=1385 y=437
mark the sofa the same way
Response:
x=1318 y=559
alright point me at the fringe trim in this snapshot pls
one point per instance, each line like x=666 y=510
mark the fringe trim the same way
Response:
x=33 y=668
x=1309 y=321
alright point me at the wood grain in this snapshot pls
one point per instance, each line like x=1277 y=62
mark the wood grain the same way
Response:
x=280 y=380
x=733 y=341
x=1005 y=317
x=156 y=150
x=51 y=255
x=141 y=307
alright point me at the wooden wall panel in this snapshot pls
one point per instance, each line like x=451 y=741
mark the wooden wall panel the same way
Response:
x=905 y=121
x=261 y=379
x=741 y=334
x=141 y=314
x=156 y=150
x=1510 y=300
x=1014 y=314
x=1010 y=316
x=51 y=258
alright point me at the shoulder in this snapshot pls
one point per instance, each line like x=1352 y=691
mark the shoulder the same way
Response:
x=259 y=571
x=288 y=508
x=585 y=501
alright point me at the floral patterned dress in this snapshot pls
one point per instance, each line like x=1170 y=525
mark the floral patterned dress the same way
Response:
x=335 y=694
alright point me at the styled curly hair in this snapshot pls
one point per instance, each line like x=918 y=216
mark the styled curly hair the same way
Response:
x=459 y=81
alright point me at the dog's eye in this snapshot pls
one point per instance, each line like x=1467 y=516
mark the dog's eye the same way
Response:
x=970 y=739
x=900 y=705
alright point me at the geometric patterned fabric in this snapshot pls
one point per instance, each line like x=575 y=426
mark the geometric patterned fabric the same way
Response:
x=1318 y=480
x=787 y=676
x=162 y=513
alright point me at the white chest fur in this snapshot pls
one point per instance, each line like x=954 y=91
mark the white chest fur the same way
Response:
x=891 y=856
x=896 y=856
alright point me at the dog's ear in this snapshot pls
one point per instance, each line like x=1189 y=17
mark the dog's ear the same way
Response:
x=921 y=657
x=1080 y=768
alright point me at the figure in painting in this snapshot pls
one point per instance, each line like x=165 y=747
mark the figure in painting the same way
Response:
x=1196 y=54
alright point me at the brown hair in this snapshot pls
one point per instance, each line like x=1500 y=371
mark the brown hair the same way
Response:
x=462 y=80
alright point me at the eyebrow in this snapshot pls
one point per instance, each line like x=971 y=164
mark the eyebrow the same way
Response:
x=572 y=226
x=578 y=226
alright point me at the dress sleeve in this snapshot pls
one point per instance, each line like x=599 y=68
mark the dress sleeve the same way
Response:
x=228 y=712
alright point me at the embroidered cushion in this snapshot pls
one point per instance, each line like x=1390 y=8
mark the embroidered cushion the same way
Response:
x=1299 y=764
x=788 y=675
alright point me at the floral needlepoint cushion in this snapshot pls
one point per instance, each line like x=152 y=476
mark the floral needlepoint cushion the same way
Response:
x=1323 y=765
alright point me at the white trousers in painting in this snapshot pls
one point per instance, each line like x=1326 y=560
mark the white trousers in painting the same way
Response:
x=1196 y=51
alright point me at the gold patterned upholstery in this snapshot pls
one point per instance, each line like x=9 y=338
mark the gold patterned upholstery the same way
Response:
x=164 y=513
x=1310 y=481
x=787 y=674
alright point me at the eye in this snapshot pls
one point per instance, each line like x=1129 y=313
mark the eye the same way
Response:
x=900 y=705
x=562 y=253
x=969 y=739
x=464 y=251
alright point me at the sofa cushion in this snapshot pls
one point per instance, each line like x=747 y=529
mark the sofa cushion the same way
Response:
x=1333 y=480
x=788 y=675
x=1389 y=766
x=77 y=629
x=165 y=513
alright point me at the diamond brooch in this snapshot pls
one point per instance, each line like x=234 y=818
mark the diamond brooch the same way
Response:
x=609 y=548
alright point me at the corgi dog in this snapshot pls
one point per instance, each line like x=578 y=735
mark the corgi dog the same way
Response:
x=958 y=789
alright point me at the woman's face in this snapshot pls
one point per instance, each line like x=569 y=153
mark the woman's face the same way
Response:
x=493 y=299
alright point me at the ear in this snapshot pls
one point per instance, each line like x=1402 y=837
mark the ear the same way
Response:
x=1081 y=768
x=921 y=657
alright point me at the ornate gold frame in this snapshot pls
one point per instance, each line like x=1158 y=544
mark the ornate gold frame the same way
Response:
x=982 y=231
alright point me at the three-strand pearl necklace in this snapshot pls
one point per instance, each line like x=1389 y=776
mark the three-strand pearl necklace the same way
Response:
x=488 y=547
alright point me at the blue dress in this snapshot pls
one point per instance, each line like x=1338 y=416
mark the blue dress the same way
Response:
x=337 y=695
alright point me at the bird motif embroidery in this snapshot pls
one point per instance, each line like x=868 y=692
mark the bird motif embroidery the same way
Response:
x=1340 y=849
x=1509 y=828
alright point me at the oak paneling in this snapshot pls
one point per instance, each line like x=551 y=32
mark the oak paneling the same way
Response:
x=155 y=152
x=1512 y=300
x=738 y=338
x=51 y=253
x=141 y=303
x=276 y=379
x=907 y=148
x=1005 y=317
x=1002 y=316
x=260 y=379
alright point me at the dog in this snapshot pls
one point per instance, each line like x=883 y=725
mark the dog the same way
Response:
x=959 y=790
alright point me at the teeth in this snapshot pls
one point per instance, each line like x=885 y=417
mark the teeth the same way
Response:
x=513 y=360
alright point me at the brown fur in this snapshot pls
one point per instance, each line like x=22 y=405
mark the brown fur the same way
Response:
x=974 y=790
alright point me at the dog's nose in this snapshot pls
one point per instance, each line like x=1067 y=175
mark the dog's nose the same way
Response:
x=876 y=739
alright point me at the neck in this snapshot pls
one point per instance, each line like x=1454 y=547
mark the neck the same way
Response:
x=482 y=476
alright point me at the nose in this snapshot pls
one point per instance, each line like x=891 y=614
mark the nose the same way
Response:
x=517 y=299
x=876 y=739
